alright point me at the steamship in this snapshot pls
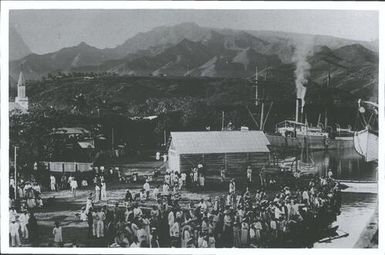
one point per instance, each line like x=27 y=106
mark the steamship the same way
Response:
x=295 y=134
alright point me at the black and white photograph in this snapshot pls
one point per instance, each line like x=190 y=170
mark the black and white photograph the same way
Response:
x=193 y=128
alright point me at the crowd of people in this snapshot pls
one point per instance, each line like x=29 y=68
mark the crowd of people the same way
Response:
x=158 y=217
x=25 y=195
x=288 y=217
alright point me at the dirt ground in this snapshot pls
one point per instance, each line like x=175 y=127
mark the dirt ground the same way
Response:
x=63 y=207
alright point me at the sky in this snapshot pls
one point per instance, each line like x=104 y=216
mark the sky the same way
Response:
x=49 y=30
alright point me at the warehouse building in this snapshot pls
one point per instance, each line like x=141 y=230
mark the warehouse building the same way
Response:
x=216 y=150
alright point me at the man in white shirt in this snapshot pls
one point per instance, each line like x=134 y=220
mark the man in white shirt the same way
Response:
x=171 y=220
x=14 y=231
x=156 y=192
x=137 y=211
x=146 y=187
x=23 y=219
x=53 y=183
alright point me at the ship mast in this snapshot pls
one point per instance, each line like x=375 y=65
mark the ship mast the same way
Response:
x=326 y=109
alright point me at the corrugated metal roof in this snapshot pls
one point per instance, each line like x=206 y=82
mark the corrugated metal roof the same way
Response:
x=219 y=142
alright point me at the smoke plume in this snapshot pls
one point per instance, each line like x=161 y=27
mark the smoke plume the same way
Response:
x=303 y=50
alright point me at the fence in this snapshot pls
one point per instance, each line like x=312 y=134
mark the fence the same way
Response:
x=69 y=167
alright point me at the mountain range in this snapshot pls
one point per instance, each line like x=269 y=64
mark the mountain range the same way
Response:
x=17 y=47
x=188 y=50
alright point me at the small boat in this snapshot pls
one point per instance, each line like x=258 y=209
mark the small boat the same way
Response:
x=287 y=163
x=306 y=164
x=366 y=140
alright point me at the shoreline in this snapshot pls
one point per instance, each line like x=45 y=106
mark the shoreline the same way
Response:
x=369 y=235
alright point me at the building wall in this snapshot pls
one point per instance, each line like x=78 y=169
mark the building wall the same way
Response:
x=173 y=160
x=235 y=163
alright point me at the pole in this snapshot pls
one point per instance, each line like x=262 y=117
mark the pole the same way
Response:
x=112 y=138
x=256 y=85
x=223 y=120
x=326 y=118
x=15 y=155
x=164 y=137
x=262 y=113
x=296 y=109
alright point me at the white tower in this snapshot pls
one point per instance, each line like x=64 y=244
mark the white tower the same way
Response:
x=21 y=98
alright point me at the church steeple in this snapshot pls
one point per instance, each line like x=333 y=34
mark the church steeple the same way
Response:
x=21 y=98
x=21 y=86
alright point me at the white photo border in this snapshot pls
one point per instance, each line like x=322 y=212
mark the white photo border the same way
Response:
x=6 y=6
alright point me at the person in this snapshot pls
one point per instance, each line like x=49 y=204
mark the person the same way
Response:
x=137 y=211
x=89 y=202
x=83 y=215
x=74 y=186
x=195 y=176
x=100 y=223
x=63 y=181
x=202 y=205
x=94 y=222
x=58 y=235
x=202 y=180
x=121 y=240
x=249 y=173
x=141 y=233
x=154 y=242
x=33 y=230
x=128 y=197
x=97 y=192
x=232 y=186
x=175 y=233
x=90 y=222
x=143 y=195
x=211 y=242
x=244 y=233
x=23 y=219
x=155 y=192
x=183 y=177
x=53 y=183
x=84 y=183
x=236 y=235
x=14 y=232
x=202 y=242
x=166 y=188
x=103 y=191
x=223 y=175
x=146 y=187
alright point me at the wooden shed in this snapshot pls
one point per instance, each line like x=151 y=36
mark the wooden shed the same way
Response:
x=231 y=150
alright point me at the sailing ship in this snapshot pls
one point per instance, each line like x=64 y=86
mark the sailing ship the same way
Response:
x=366 y=140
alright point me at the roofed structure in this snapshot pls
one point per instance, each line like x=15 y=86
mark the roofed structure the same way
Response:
x=232 y=150
x=219 y=142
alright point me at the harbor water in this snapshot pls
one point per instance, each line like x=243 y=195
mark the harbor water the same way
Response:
x=359 y=200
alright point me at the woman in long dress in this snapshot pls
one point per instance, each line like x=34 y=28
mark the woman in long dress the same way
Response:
x=237 y=235
x=103 y=191
x=245 y=234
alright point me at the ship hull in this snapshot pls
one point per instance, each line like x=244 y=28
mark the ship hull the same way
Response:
x=313 y=143
x=366 y=144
